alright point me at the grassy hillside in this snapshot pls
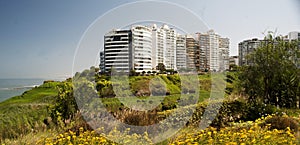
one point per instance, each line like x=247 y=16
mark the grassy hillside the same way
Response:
x=24 y=118
x=25 y=113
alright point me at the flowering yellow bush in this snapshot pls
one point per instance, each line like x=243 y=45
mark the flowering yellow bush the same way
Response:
x=93 y=138
x=255 y=135
x=70 y=138
x=246 y=133
x=239 y=134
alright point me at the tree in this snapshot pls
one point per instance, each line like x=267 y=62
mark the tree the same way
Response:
x=64 y=106
x=161 y=67
x=273 y=77
x=233 y=67
x=149 y=72
x=132 y=73
x=170 y=71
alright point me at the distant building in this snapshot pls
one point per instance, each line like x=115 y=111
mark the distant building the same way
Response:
x=294 y=35
x=181 y=55
x=245 y=48
x=234 y=60
x=214 y=51
x=192 y=50
x=142 y=48
x=204 y=46
x=223 y=54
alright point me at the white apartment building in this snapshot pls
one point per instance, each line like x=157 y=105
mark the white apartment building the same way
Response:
x=214 y=50
x=142 y=48
x=158 y=46
x=170 y=46
x=164 y=46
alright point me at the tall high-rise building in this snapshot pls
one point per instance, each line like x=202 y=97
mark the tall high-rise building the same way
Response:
x=126 y=50
x=170 y=46
x=223 y=54
x=205 y=49
x=117 y=52
x=158 y=46
x=181 y=55
x=142 y=48
x=215 y=50
x=192 y=50
x=164 y=46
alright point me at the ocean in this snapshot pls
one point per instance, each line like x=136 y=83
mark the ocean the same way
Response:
x=14 y=87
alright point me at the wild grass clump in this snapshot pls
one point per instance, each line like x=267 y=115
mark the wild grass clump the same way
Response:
x=282 y=122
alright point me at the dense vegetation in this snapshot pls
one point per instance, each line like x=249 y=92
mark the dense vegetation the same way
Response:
x=274 y=76
x=260 y=105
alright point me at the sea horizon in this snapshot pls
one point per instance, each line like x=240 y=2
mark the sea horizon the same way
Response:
x=11 y=87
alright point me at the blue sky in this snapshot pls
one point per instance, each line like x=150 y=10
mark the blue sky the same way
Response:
x=38 y=39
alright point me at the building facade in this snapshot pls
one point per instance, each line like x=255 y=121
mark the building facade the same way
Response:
x=158 y=46
x=215 y=51
x=170 y=46
x=294 y=35
x=223 y=54
x=234 y=60
x=164 y=46
x=142 y=48
x=102 y=62
x=192 y=51
x=204 y=46
x=181 y=55
x=245 y=48
x=117 y=52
